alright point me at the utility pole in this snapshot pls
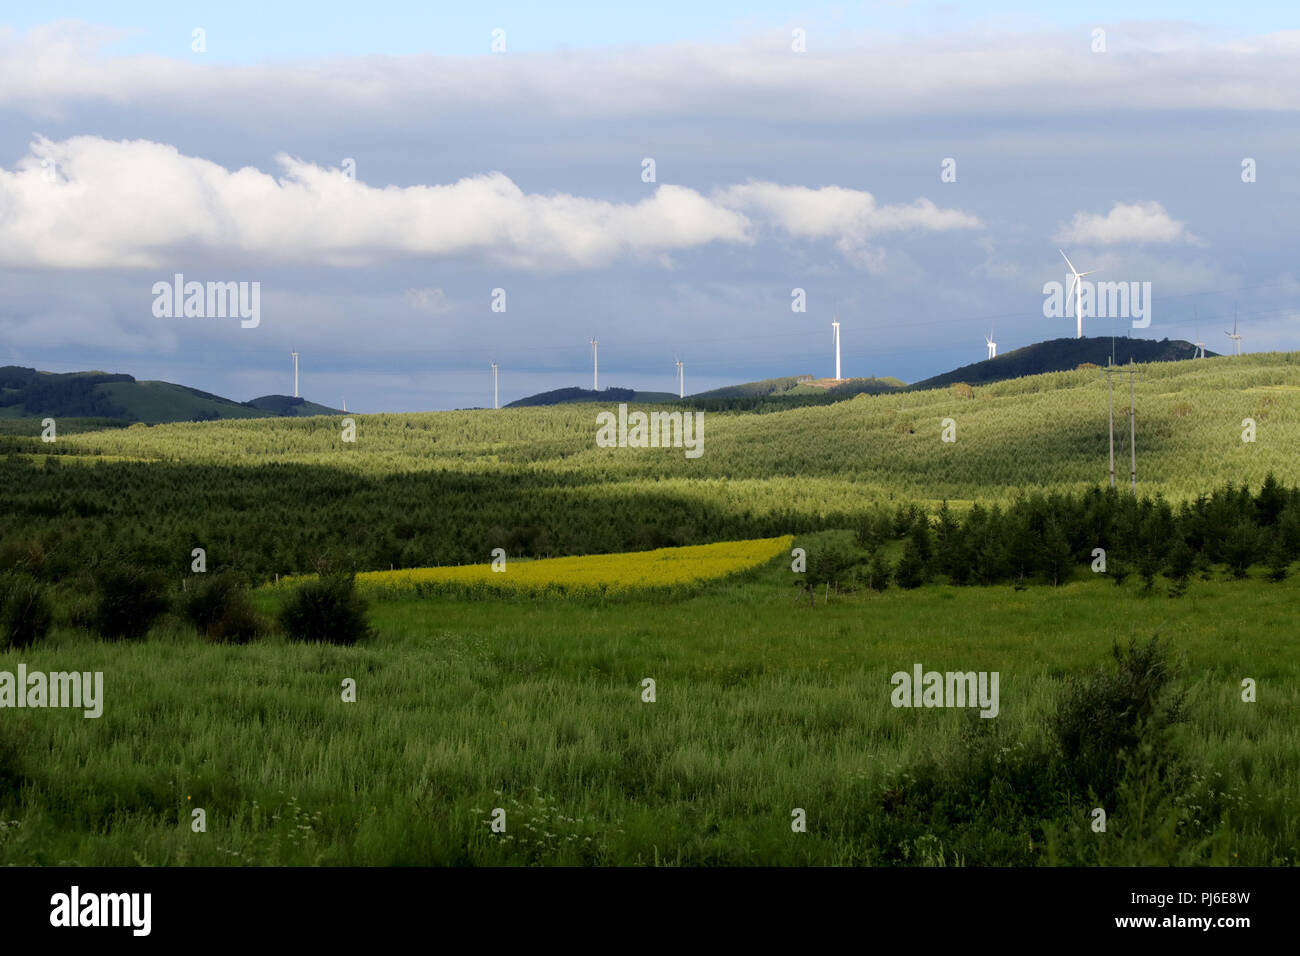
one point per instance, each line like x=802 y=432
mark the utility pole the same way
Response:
x=1132 y=428
x=1109 y=372
x=495 y=401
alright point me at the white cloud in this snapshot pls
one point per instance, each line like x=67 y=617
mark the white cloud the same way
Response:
x=1150 y=66
x=853 y=218
x=432 y=301
x=140 y=204
x=1138 y=222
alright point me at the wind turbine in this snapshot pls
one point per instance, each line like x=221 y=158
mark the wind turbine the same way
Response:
x=595 y=368
x=681 y=379
x=1234 y=334
x=1076 y=284
x=495 y=401
x=295 y=373
x=836 y=327
x=993 y=346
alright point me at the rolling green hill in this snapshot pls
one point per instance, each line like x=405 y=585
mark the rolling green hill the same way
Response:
x=569 y=396
x=1062 y=355
x=434 y=488
x=783 y=393
x=286 y=406
x=26 y=392
x=557 y=678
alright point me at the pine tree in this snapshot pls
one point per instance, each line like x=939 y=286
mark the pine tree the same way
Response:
x=1182 y=561
x=910 y=572
x=1055 y=555
x=1239 y=550
x=878 y=574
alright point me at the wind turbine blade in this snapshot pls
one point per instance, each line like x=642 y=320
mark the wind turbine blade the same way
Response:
x=1088 y=273
x=1068 y=262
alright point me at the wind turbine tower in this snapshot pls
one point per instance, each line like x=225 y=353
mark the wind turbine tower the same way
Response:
x=993 y=346
x=295 y=373
x=681 y=379
x=836 y=327
x=1234 y=335
x=496 y=403
x=595 y=368
x=1200 y=346
x=1076 y=286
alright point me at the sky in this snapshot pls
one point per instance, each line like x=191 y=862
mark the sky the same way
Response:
x=420 y=190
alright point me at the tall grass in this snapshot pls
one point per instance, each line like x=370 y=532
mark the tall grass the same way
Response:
x=763 y=705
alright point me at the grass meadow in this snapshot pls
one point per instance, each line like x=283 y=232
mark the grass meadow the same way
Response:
x=763 y=705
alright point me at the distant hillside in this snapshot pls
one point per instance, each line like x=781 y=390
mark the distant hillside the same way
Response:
x=567 y=396
x=26 y=392
x=1061 y=355
x=761 y=389
x=286 y=406
x=778 y=394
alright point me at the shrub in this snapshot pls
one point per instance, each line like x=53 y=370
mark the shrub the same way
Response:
x=219 y=608
x=1279 y=562
x=830 y=561
x=25 y=612
x=127 y=601
x=1102 y=719
x=328 y=610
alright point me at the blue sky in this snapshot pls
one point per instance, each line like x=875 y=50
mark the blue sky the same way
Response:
x=774 y=171
x=246 y=31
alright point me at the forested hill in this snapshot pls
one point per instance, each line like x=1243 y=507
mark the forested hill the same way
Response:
x=1062 y=355
x=566 y=396
x=778 y=394
x=26 y=392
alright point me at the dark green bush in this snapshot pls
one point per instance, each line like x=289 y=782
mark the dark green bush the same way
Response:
x=219 y=608
x=128 y=600
x=25 y=612
x=328 y=610
x=1103 y=718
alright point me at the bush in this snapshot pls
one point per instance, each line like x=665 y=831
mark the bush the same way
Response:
x=328 y=610
x=1102 y=719
x=25 y=612
x=829 y=562
x=128 y=600
x=218 y=607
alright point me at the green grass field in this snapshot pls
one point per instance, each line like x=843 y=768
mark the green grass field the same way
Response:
x=764 y=705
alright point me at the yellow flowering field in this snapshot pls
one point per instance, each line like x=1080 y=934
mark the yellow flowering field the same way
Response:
x=611 y=574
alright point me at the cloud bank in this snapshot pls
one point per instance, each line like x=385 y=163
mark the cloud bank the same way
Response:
x=93 y=203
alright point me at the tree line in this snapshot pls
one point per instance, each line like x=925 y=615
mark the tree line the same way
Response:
x=1054 y=538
